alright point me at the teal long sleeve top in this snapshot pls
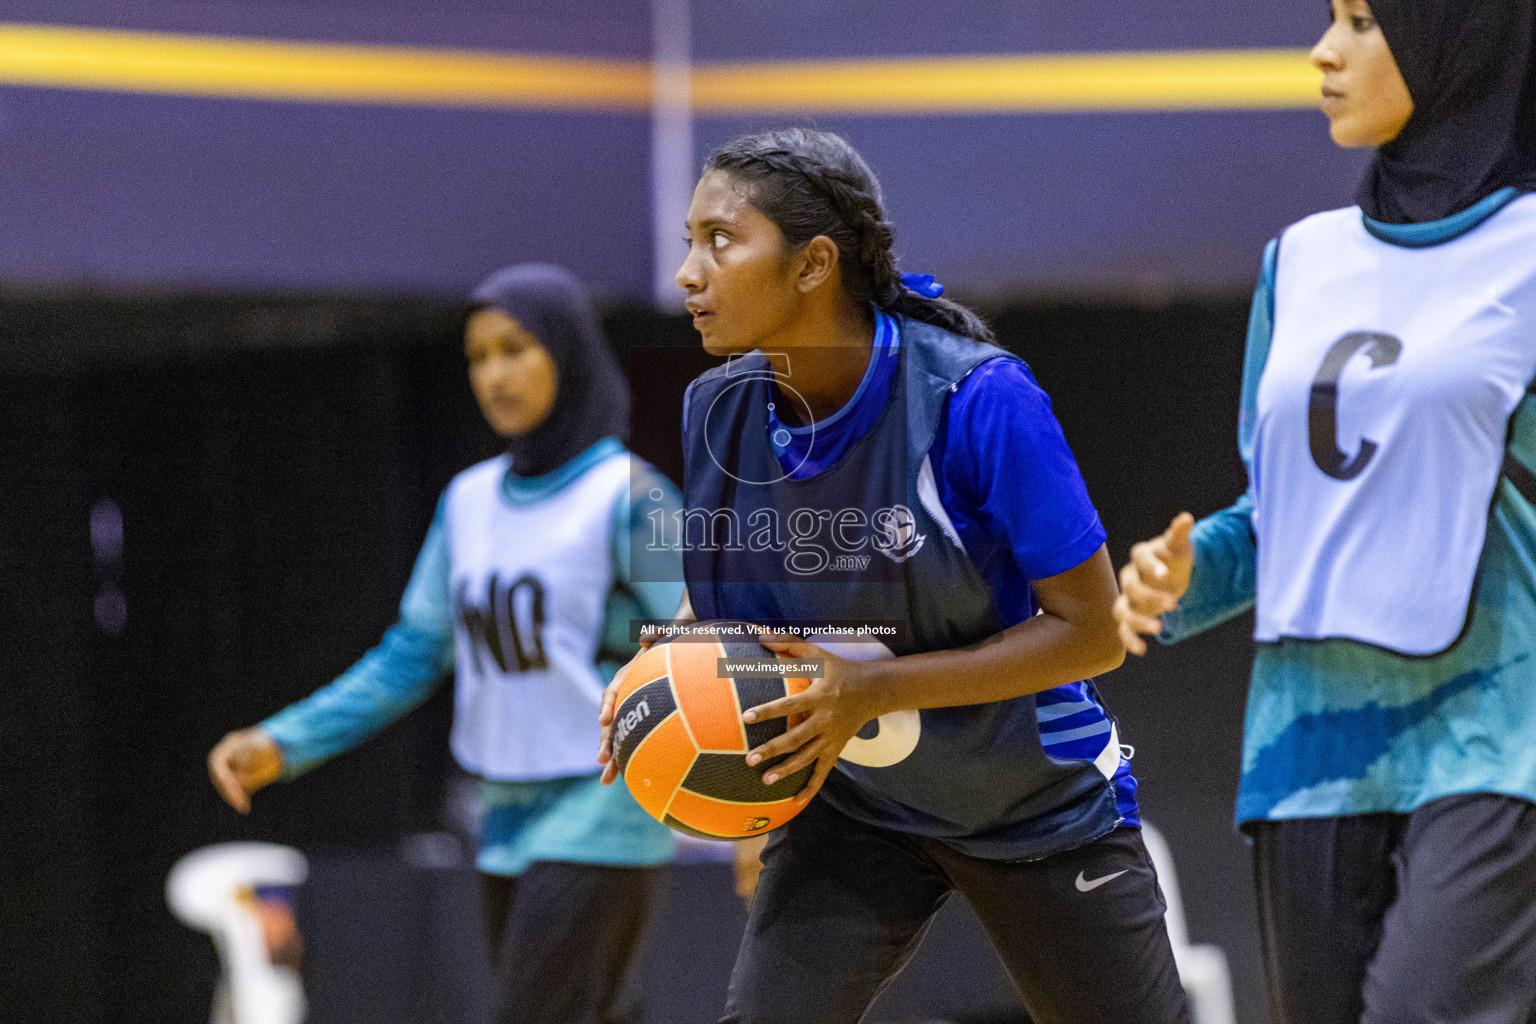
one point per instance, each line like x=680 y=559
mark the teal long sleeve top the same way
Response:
x=1337 y=727
x=568 y=819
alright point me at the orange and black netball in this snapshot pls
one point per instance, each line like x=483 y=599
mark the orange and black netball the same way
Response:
x=680 y=742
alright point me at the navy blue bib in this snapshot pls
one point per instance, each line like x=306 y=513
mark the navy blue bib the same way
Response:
x=867 y=539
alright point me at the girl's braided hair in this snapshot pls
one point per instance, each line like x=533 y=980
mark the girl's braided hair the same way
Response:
x=810 y=183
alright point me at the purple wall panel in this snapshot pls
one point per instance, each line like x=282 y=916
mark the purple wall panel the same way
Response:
x=790 y=29
x=723 y=29
x=152 y=191
x=1149 y=203
x=121 y=190
x=588 y=28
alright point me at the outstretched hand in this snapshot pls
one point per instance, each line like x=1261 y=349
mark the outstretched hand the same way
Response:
x=243 y=762
x=822 y=718
x=1152 y=582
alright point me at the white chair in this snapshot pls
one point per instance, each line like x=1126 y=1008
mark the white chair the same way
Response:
x=1203 y=968
x=210 y=890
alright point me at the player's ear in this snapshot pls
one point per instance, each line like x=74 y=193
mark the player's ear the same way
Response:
x=818 y=263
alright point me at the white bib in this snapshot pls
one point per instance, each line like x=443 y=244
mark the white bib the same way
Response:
x=1381 y=425
x=529 y=585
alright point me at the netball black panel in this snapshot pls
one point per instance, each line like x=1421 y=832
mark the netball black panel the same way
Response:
x=673 y=823
x=641 y=712
x=729 y=777
x=755 y=690
x=746 y=649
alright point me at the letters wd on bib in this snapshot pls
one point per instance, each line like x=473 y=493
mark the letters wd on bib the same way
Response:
x=527 y=694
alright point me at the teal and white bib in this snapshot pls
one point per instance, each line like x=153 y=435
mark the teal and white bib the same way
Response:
x=529 y=582
x=1382 y=418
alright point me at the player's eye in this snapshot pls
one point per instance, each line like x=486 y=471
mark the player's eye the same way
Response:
x=719 y=240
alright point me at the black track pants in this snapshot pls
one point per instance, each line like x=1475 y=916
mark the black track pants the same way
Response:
x=1422 y=918
x=841 y=906
x=563 y=939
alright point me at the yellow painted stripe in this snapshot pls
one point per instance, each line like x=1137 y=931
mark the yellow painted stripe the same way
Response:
x=215 y=66
x=1196 y=80
x=186 y=65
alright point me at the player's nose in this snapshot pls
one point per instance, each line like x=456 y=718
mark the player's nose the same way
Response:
x=690 y=276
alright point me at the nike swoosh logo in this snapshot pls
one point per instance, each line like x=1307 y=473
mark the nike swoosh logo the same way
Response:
x=1083 y=885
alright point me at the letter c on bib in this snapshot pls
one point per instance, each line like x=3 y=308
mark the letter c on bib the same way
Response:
x=1323 y=410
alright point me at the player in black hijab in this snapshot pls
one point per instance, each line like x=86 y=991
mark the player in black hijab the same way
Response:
x=591 y=399
x=1469 y=70
x=524 y=589
x=1388 y=782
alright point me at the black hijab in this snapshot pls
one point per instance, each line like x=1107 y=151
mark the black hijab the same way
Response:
x=591 y=397
x=1469 y=68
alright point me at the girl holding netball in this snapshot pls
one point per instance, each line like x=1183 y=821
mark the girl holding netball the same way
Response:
x=919 y=478
x=1388 y=539
x=524 y=588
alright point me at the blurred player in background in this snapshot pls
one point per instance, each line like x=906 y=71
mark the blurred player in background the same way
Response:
x=867 y=392
x=1388 y=539
x=523 y=588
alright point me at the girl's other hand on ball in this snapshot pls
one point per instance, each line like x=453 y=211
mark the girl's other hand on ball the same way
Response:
x=831 y=711
x=605 y=749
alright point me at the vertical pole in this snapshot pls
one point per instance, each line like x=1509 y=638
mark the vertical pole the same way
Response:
x=672 y=169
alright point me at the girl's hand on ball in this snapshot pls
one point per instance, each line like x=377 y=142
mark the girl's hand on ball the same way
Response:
x=832 y=709
x=243 y=762
x=605 y=720
x=605 y=716
x=648 y=639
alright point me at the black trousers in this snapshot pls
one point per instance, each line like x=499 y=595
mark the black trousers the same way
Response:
x=841 y=906
x=564 y=939
x=1422 y=918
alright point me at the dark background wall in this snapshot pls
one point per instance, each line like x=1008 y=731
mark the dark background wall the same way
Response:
x=276 y=463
